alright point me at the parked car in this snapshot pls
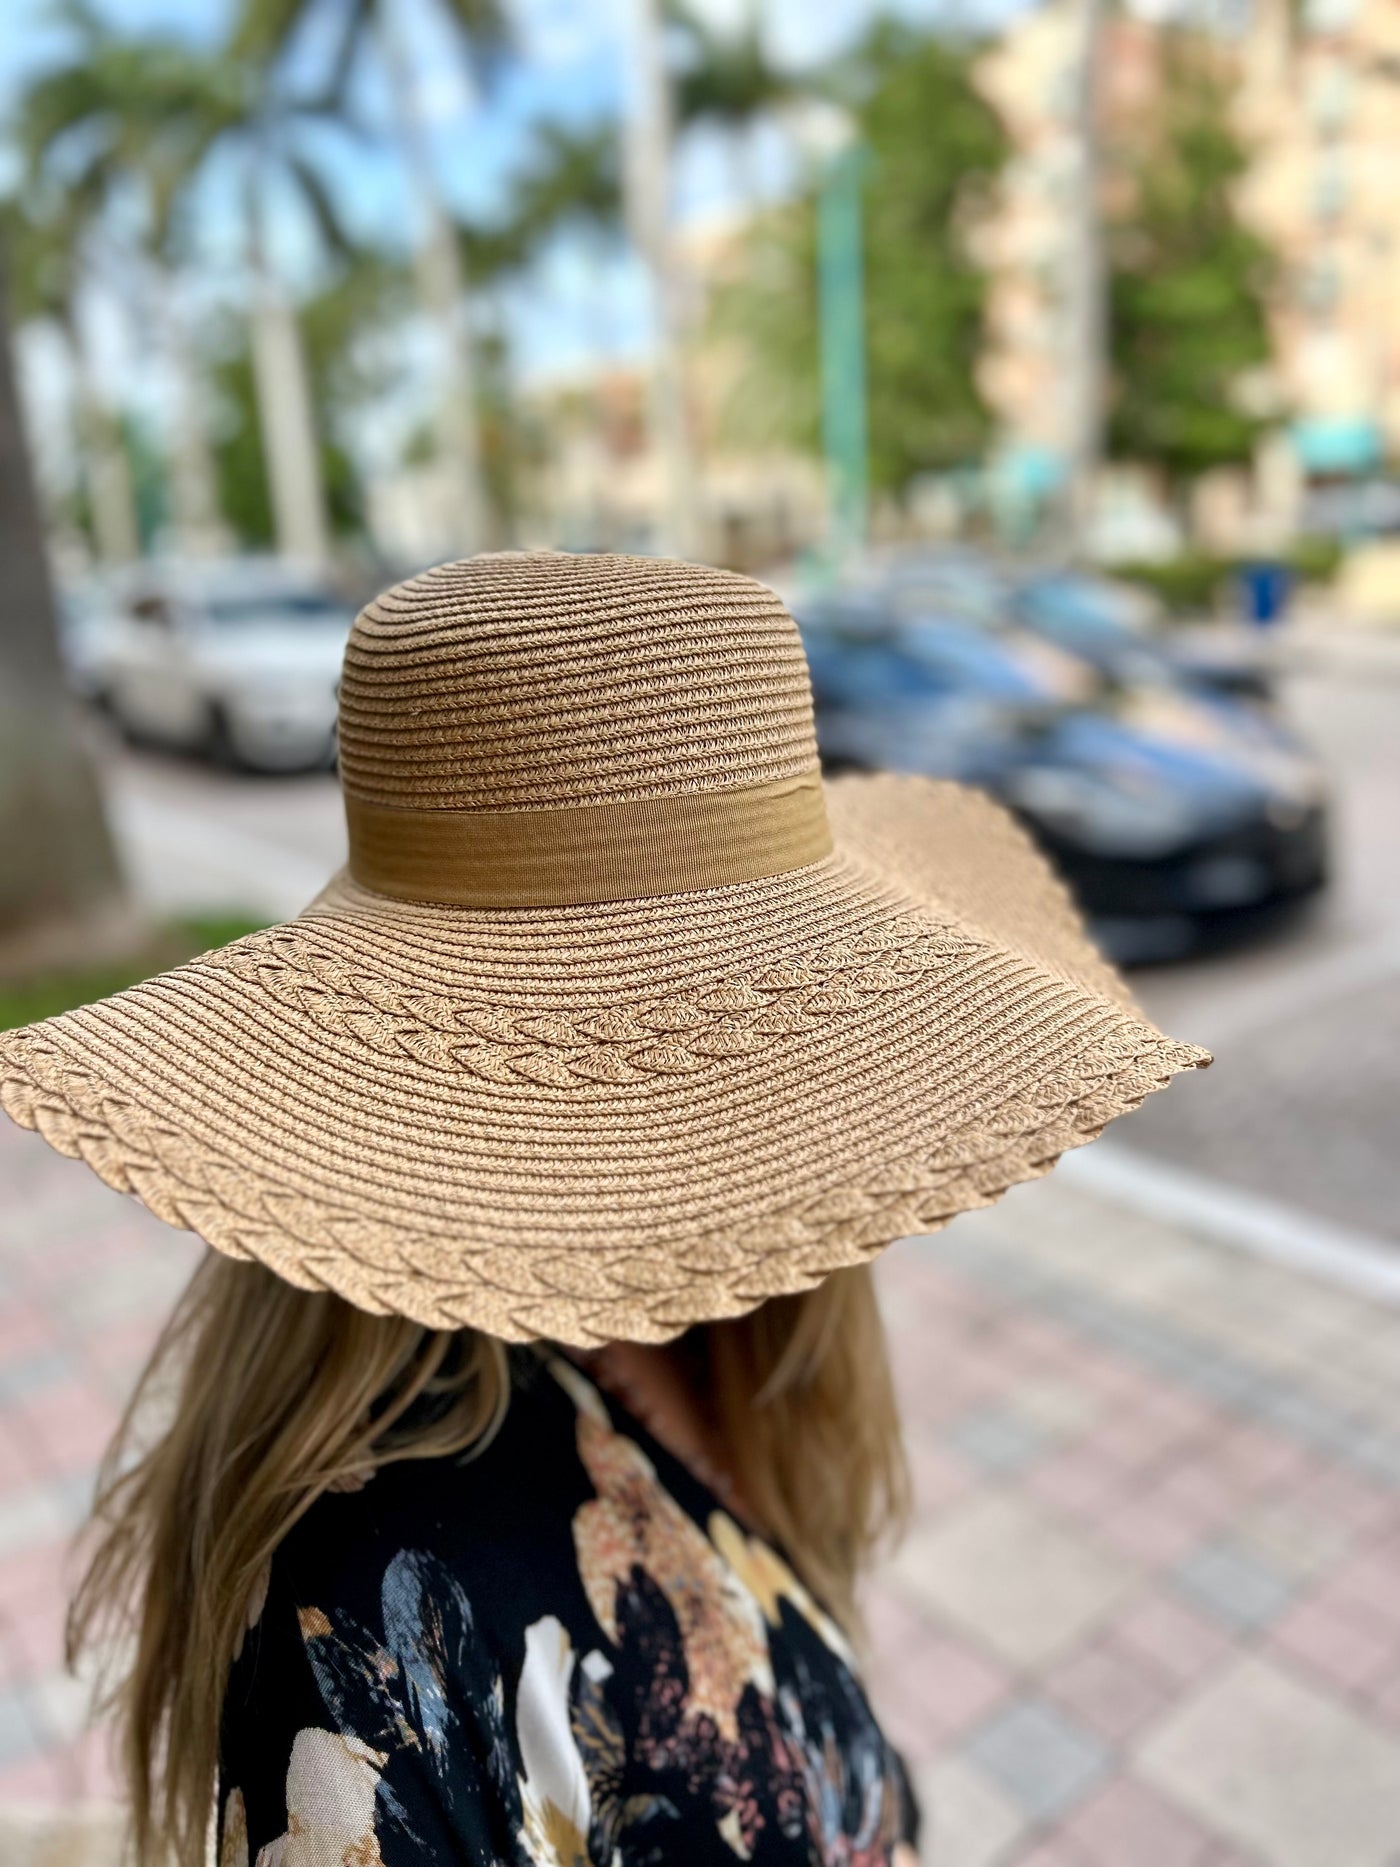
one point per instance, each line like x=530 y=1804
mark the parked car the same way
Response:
x=1107 y=624
x=84 y=617
x=239 y=659
x=1174 y=818
x=1111 y=625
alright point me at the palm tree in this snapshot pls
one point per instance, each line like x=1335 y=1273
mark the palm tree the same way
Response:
x=261 y=135
x=50 y=270
x=372 y=29
x=150 y=112
x=110 y=122
x=728 y=80
x=573 y=179
x=649 y=134
x=59 y=879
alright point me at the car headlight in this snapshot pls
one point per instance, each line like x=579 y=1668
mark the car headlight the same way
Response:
x=1101 y=813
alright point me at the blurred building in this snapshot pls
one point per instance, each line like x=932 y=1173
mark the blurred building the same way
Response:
x=602 y=482
x=1319 y=104
x=1318 y=107
x=1026 y=245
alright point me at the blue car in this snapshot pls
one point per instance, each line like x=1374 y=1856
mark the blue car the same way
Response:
x=1177 y=818
x=1087 y=615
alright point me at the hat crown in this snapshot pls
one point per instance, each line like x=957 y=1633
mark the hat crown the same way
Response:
x=535 y=680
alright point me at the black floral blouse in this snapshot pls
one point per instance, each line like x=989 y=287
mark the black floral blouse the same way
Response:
x=560 y=1653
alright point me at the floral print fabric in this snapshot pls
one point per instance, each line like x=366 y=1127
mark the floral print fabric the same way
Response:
x=561 y=1653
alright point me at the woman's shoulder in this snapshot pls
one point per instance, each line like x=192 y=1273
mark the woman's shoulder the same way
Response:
x=469 y=1514
x=371 y=1680
x=407 y=1587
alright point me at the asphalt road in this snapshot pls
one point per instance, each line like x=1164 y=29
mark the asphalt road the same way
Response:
x=1302 y=1106
x=1300 y=1114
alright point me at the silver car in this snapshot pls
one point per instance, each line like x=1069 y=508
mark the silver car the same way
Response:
x=238 y=659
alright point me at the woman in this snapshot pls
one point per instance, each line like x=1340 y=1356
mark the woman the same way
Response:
x=516 y=1456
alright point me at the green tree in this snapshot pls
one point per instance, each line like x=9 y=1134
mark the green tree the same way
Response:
x=241 y=462
x=768 y=311
x=244 y=498
x=727 y=81
x=726 y=77
x=1188 y=283
x=934 y=148
x=572 y=179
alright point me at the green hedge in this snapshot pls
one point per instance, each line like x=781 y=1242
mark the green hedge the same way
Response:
x=1186 y=584
x=1200 y=580
x=1315 y=560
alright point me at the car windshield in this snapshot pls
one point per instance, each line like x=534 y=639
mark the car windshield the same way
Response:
x=865 y=670
x=926 y=660
x=1009 y=664
x=1092 y=619
x=264 y=605
x=1077 y=603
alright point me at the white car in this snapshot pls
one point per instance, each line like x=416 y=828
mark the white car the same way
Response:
x=239 y=659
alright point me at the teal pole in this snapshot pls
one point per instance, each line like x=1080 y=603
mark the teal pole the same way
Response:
x=841 y=301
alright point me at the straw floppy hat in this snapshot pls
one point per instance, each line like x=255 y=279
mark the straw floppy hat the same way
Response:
x=618 y=1020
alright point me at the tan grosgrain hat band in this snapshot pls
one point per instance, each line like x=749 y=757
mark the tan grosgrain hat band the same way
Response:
x=627 y=851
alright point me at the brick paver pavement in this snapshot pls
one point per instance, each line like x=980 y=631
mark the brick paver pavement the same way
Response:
x=1149 y=1611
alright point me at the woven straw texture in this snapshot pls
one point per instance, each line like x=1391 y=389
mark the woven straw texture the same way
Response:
x=611 y=1120
x=537 y=678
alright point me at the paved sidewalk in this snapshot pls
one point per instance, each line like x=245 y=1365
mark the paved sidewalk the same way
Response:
x=1149 y=1615
x=1150 y=1612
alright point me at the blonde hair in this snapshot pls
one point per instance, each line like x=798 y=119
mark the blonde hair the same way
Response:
x=267 y=1396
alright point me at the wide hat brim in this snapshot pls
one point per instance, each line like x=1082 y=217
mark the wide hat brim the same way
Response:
x=614 y=1121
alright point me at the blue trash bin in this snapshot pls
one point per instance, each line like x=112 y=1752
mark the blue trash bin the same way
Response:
x=1265 y=587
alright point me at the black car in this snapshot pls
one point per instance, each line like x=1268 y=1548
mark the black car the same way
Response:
x=1176 y=818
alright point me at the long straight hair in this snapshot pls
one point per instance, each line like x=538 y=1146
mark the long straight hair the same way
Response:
x=259 y=1397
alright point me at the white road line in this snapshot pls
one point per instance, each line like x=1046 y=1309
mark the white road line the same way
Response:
x=1337 y=1254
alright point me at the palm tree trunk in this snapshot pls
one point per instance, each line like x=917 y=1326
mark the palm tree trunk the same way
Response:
x=442 y=285
x=194 y=483
x=59 y=882
x=288 y=425
x=111 y=496
x=647 y=175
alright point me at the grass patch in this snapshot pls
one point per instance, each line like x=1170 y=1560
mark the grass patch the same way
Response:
x=44 y=995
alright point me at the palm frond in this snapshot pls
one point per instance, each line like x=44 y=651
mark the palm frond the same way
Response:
x=575 y=176
x=262 y=28
x=483 y=32
x=317 y=197
x=483 y=23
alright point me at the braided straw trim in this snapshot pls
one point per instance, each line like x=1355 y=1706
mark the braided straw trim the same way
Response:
x=642 y=1289
x=619 y=1043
